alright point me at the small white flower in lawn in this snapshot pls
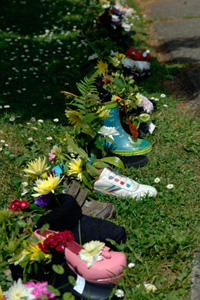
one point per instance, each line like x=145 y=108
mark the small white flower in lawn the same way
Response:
x=1 y=106
x=170 y=186
x=165 y=105
x=131 y=265
x=55 y=147
x=12 y=119
x=149 y=287
x=56 y=120
x=25 y=183
x=156 y=99
x=35 y=128
x=40 y=121
x=32 y=119
x=1 y=148
x=6 y=145
x=30 y=139
x=19 y=91
x=34 y=104
x=152 y=98
x=2 y=141
x=49 y=97
x=119 y=293
x=6 y=106
x=49 y=138
x=156 y=180
x=162 y=95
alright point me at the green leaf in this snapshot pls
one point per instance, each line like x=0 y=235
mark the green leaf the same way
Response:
x=144 y=118
x=114 y=160
x=75 y=147
x=119 y=82
x=53 y=290
x=86 y=180
x=68 y=296
x=21 y=223
x=94 y=172
x=58 y=269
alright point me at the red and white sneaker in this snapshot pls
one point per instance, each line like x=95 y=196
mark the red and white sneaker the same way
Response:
x=111 y=182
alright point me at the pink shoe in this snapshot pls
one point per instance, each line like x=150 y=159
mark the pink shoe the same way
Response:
x=106 y=271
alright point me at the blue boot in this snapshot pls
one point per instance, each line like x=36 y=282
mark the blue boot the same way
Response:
x=125 y=145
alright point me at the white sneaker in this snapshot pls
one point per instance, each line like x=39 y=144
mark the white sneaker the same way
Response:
x=111 y=182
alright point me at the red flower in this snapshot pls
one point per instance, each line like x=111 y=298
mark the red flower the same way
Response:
x=57 y=240
x=14 y=205
x=23 y=204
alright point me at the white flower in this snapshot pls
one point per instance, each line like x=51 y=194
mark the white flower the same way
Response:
x=165 y=105
x=30 y=139
x=49 y=138
x=56 y=120
x=108 y=131
x=12 y=119
x=93 y=56
x=146 y=104
x=156 y=180
x=32 y=119
x=150 y=287
x=162 y=95
x=170 y=186
x=25 y=183
x=105 y=6
x=34 y=104
x=2 y=141
x=40 y=121
x=152 y=98
x=6 y=106
x=19 y=291
x=55 y=147
x=119 y=293
x=49 y=97
x=1 y=148
x=156 y=99
x=35 y=128
x=131 y=265
x=91 y=252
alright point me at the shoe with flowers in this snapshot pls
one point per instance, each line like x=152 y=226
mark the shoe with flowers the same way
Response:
x=138 y=55
x=93 y=261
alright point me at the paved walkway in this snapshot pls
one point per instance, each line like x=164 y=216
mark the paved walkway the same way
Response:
x=176 y=28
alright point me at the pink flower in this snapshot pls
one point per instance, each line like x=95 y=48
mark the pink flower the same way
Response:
x=147 y=105
x=52 y=155
x=40 y=289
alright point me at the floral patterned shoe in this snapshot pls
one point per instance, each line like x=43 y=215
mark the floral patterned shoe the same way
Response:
x=89 y=206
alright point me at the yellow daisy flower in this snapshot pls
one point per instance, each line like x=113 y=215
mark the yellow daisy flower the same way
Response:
x=102 y=67
x=120 y=55
x=37 y=168
x=33 y=249
x=74 y=117
x=75 y=168
x=46 y=186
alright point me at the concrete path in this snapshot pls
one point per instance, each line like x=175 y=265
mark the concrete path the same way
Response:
x=176 y=28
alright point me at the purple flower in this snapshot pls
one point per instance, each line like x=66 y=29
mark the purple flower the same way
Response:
x=43 y=200
x=40 y=289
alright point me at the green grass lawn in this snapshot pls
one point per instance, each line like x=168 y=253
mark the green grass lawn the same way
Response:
x=42 y=54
